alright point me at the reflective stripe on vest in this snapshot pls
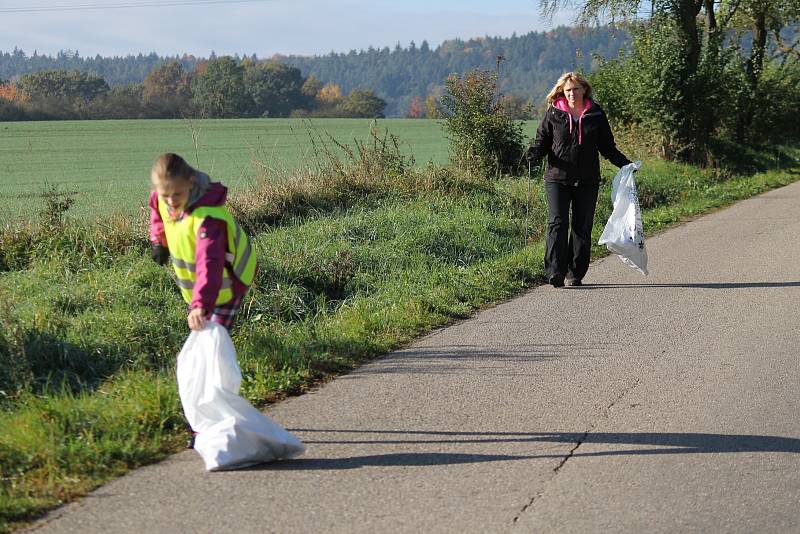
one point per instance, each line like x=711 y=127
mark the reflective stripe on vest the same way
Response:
x=182 y=242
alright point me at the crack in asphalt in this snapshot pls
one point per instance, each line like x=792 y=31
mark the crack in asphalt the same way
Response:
x=530 y=503
x=556 y=469
x=604 y=414
x=571 y=453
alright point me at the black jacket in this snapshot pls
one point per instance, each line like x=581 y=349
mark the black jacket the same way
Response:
x=568 y=161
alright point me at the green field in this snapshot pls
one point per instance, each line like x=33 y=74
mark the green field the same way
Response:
x=107 y=162
x=353 y=263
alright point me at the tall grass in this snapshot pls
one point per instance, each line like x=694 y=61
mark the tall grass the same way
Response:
x=358 y=254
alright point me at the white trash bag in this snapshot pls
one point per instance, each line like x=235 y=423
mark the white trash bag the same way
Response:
x=231 y=433
x=623 y=234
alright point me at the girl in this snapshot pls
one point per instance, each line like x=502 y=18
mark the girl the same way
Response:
x=213 y=258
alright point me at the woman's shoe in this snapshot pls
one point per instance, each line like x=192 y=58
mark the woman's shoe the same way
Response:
x=557 y=280
x=574 y=282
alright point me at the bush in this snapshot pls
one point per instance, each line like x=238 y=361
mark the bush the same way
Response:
x=657 y=89
x=10 y=111
x=483 y=139
x=774 y=124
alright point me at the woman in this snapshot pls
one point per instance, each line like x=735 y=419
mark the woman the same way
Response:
x=571 y=134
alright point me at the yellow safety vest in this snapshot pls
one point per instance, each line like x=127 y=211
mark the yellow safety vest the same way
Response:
x=182 y=243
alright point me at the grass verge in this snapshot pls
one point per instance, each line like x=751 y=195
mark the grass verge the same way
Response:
x=381 y=253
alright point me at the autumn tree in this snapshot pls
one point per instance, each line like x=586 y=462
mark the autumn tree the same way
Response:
x=330 y=94
x=167 y=90
x=432 y=110
x=415 y=109
x=10 y=93
x=10 y=100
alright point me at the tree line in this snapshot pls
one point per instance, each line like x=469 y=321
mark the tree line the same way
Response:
x=223 y=87
x=409 y=79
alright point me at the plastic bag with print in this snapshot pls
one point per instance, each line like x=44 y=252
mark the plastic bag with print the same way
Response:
x=623 y=233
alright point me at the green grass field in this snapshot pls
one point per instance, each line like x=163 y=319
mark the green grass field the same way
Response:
x=107 y=162
x=353 y=263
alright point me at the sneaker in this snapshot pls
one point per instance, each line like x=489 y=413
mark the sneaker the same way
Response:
x=574 y=282
x=557 y=280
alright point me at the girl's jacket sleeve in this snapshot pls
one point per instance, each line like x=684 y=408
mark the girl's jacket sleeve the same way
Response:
x=157 y=234
x=212 y=245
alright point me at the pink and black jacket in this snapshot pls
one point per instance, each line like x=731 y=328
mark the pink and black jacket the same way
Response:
x=572 y=147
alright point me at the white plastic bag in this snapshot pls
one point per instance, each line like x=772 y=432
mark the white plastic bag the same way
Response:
x=623 y=234
x=231 y=432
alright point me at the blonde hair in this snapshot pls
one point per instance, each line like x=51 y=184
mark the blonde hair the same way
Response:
x=169 y=168
x=558 y=89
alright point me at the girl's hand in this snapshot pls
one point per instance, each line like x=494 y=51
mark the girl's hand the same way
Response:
x=197 y=319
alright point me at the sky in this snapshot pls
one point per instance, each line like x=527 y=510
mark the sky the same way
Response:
x=263 y=27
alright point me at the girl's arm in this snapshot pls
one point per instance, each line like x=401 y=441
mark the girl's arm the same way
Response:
x=157 y=235
x=212 y=244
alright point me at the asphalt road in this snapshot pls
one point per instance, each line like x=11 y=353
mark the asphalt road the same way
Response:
x=667 y=403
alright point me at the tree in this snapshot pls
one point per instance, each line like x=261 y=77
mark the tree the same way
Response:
x=219 y=91
x=311 y=87
x=362 y=104
x=517 y=107
x=685 y=66
x=69 y=85
x=760 y=19
x=415 y=110
x=167 y=90
x=275 y=89
x=10 y=93
x=432 y=107
x=10 y=100
x=122 y=102
x=483 y=139
x=330 y=94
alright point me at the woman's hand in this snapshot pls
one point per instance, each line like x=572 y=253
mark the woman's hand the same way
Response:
x=197 y=319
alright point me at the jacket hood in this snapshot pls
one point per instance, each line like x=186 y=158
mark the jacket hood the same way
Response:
x=562 y=105
x=215 y=195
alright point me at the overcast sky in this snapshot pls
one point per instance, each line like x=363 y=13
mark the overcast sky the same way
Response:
x=263 y=27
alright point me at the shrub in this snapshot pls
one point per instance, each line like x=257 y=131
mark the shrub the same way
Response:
x=483 y=139
x=657 y=88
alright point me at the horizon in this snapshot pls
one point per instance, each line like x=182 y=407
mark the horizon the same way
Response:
x=266 y=28
x=76 y=53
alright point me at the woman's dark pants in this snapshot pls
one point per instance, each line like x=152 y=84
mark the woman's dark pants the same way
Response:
x=567 y=252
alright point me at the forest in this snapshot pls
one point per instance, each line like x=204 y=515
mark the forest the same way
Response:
x=409 y=80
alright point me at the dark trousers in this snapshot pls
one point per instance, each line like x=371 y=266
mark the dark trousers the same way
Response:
x=568 y=246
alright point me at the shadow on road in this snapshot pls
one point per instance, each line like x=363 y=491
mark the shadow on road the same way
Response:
x=644 y=443
x=699 y=285
x=408 y=459
x=451 y=359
